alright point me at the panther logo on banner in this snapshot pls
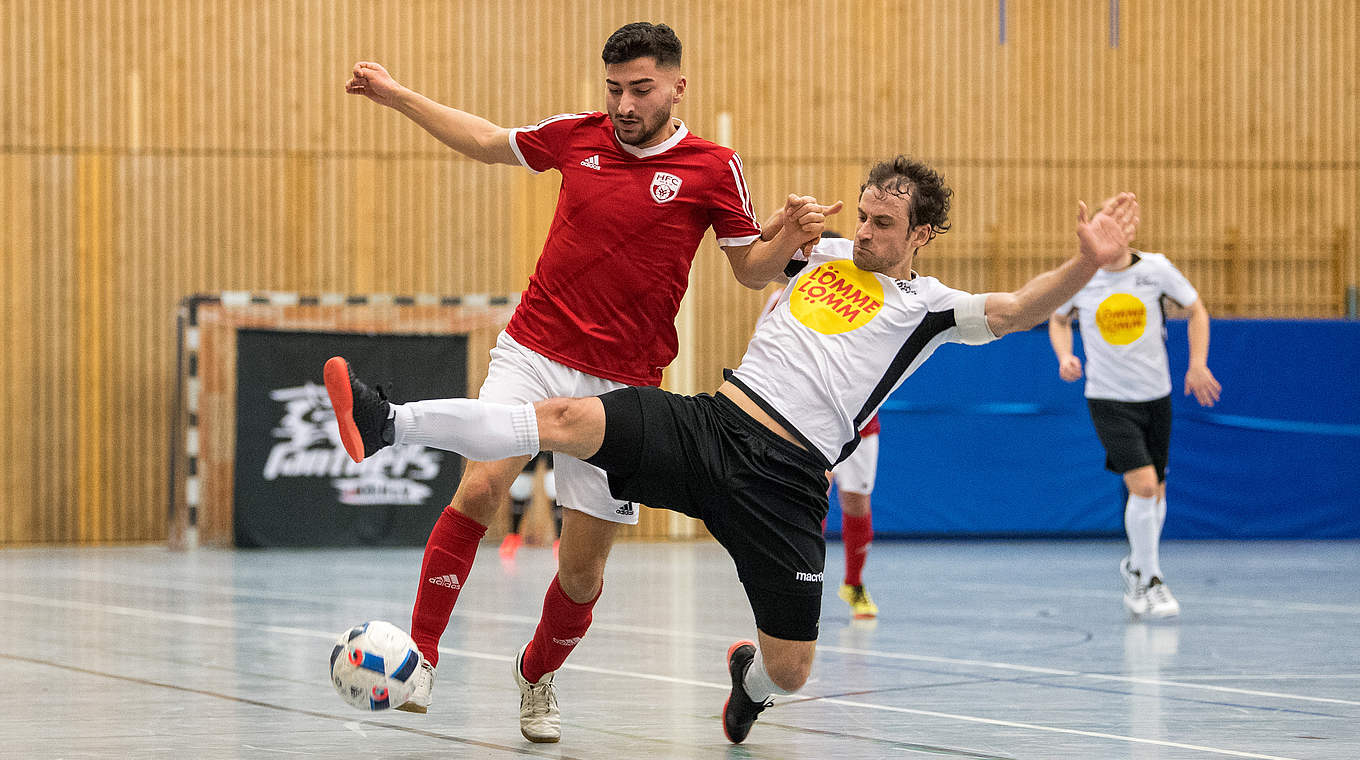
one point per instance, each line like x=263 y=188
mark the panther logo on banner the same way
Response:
x=665 y=187
x=309 y=447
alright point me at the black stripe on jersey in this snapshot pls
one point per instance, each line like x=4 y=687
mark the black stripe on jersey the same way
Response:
x=934 y=323
x=732 y=378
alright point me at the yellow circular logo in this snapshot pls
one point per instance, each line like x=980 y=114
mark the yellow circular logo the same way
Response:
x=1122 y=318
x=836 y=297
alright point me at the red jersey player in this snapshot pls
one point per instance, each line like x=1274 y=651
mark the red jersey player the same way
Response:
x=638 y=193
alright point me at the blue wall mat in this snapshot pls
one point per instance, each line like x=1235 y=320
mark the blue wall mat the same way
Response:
x=986 y=441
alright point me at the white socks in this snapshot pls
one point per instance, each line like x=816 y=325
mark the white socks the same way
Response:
x=1143 y=524
x=479 y=430
x=757 y=683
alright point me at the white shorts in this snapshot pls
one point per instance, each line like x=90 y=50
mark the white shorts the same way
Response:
x=518 y=375
x=856 y=473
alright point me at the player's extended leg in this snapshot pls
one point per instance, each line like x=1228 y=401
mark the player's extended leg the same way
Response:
x=857 y=533
x=567 y=608
x=778 y=666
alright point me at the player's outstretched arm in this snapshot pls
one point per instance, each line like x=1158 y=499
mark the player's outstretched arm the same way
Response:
x=1198 y=379
x=798 y=225
x=1103 y=238
x=1060 y=336
x=466 y=133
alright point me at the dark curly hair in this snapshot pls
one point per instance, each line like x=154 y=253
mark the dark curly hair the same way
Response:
x=929 y=195
x=643 y=40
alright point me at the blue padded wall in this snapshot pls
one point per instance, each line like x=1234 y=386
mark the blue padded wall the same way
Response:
x=989 y=441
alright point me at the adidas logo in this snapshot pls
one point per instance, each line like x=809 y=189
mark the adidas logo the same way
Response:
x=626 y=509
x=592 y=163
x=567 y=642
x=447 y=581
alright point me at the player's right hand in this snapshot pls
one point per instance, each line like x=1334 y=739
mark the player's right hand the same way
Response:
x=1069 y=369
x=808 y=217
x=372 y=81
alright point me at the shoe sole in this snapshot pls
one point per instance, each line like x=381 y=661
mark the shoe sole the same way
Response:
x=730 y=650
x=342 y=401
x=412 y=707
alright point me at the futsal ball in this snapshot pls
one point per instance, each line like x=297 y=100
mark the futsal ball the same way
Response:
x=373 y=666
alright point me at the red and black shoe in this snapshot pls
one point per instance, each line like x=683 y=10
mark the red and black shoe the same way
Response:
x=739 y=711
x=361 y=412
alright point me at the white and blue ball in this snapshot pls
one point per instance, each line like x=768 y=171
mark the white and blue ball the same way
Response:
x=373 y=666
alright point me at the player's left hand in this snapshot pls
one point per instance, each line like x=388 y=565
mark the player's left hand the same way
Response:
x=1201 y=382
x=1106 y=236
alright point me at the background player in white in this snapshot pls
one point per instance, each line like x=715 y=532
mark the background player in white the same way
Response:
x=639 y=191
x=1128 y=392
x=850 y=327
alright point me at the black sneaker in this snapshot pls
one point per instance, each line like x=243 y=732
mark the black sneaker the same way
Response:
x=739 y=712
x=361 y=411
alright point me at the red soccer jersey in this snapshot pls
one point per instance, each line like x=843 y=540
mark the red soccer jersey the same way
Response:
x=608 y=283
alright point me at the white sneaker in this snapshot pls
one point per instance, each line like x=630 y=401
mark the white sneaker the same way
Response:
x=1135 y=591
x=539 y=719
x=420 y=698
x=1160 y=602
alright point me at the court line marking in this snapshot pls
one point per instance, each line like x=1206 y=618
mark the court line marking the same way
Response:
x=350 y=723
x=727 y=639
x=290 y=630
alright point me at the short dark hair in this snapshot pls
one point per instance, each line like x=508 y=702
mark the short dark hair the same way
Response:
x=642 y=40
x=926 y=188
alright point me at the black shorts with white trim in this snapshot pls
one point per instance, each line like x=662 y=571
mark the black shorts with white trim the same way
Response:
x=762 y=497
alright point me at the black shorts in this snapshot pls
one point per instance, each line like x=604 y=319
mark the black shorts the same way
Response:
x=762 y=497
x=1135 y=433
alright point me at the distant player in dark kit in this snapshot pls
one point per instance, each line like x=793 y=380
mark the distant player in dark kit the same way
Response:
x=751 y=460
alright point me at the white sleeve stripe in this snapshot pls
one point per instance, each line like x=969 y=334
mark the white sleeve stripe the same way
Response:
x=552 y=119
x=742 y=191
x=738 y=242
x=750 y=204
x=514 y=146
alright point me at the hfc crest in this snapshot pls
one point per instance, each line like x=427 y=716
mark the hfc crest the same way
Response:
x=665 y=187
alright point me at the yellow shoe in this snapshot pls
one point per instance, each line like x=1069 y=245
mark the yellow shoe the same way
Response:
x=861 y=604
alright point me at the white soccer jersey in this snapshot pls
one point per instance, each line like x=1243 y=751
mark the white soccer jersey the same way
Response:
x=1123 y=327
x=841 y=339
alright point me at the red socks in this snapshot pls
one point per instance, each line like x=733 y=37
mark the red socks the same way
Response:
x=857 y=533
x=449 y=553
x=560 y=629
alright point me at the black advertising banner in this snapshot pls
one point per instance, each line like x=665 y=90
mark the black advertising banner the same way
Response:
x=295 y=485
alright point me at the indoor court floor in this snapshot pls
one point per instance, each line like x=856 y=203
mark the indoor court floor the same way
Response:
x=989 y=649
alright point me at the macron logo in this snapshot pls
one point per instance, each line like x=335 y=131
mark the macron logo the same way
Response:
x=447 y=581
x=592 y=163
x=809 y=577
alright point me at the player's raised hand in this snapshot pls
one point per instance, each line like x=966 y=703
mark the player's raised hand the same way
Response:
x=372 y=81
x=1105 y=237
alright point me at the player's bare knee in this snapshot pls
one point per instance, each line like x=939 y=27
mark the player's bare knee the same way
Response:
x=580 y=584
x=479 y=497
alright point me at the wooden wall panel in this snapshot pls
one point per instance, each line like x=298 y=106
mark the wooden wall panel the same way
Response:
x=157 y=148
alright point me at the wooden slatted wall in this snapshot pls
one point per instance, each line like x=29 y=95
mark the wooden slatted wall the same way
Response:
x=150 y=149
